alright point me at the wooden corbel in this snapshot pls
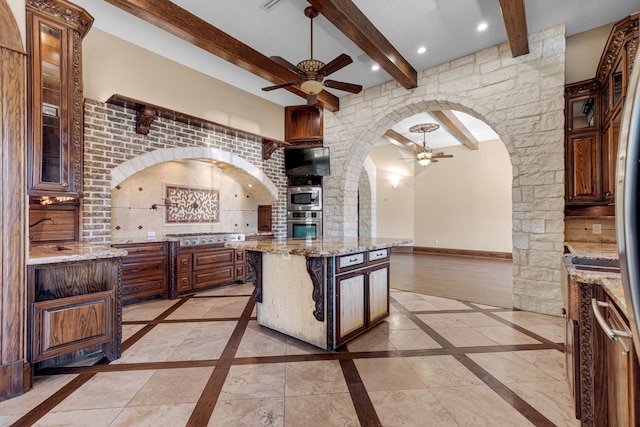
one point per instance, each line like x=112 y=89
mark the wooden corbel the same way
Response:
x=144 y=119
x=268 y=148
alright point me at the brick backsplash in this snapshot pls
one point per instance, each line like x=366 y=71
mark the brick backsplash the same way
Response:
x=110 y=140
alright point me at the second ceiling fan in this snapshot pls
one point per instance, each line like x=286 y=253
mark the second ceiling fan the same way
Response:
x=312 y=72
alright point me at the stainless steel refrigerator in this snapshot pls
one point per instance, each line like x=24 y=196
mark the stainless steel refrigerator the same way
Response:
x=628 y=201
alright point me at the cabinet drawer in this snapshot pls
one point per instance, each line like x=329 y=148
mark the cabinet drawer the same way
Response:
x=350 y=262
x=378 y=255
x=240 y=271
x=183 y=263
x=239 y=256
x=148 y=285
x=143 y=249
x=206 y=278
x=68 y=324
x=144 y=267
x=184 y=282
x=206 y=260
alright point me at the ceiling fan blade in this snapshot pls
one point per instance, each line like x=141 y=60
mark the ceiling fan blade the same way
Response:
x=268 y=88
x=442 y=156
x=333 y=66
x=347 y=87
x=312 y=99
x=288 y=65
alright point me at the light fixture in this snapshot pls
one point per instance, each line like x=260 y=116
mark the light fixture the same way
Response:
x=425 y=156
x=375 y=67
x=483 y=26
x=394 y=181
x=311 y=87
x=422 y=49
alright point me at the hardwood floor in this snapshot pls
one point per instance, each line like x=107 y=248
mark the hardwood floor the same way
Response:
x=478 y=280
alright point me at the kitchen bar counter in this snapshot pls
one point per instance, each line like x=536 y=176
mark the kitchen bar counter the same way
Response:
x=322 y=291
x=51 y=253
x=603 y=255
x=320 y=247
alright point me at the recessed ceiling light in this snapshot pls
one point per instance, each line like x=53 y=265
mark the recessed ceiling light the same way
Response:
x=482 y=26
x=422 y=49
x=375 y=67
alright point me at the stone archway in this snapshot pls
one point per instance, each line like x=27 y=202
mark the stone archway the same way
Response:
x=367 y=200
x=522 y=99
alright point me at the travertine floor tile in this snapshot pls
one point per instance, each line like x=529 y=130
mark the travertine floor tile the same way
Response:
x=154 y=416
x=43 y=387
x=478 y=406
x=411 y=339
x=306 y=378
x=464 y=337
x=399 y=321
x=410 y=408
x=442 y=371
x=261 y=341
x=509 y=368
x=254 y=382
x=553 y=401
x=171 y=386
x=268 y=412
x=81 y=418
x=210 y=308
x=527 y=318
x=147 y=310
x=505 y=335
x=550 y=362
x=320 y=411
x=393 y=373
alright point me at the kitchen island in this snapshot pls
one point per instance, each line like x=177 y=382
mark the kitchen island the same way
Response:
x=323 y=291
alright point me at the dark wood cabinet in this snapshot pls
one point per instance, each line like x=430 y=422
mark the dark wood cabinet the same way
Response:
x=145 y=271
x=54 y=92
x=593 y=112
x=303 y=123
x=74 y=311
x=583 y=176
x=203 y=267
x=264 y=218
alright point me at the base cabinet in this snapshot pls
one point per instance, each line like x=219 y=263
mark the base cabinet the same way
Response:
x=74 y=311
x=207 y=266
x=145 y=271
x=362 y=292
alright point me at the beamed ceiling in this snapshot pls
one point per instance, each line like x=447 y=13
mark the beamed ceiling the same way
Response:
x=233 y=40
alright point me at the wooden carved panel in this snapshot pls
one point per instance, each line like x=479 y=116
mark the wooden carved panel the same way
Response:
x=621 y=33
x=255 y=261
x=315 y=267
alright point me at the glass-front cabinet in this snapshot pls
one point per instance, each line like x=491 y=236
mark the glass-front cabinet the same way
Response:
x=54 y=34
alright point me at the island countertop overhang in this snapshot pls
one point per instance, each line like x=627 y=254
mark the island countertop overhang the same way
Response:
x=319 y=247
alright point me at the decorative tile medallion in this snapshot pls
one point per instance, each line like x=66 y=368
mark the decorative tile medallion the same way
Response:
x=190 y=204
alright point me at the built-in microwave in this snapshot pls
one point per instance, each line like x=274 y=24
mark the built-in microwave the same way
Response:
x=305 y=198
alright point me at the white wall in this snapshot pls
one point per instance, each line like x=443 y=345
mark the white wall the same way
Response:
x=465 y=202
x=114 y=66
x=458 y=203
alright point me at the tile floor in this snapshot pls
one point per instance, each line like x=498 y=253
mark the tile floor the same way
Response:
x=204 y=361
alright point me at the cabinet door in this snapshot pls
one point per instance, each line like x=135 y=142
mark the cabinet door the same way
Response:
x=609 y=156
x=350 y=306
x=264 y=218
x=583 y=168
x=622 y=374
x=378 y=293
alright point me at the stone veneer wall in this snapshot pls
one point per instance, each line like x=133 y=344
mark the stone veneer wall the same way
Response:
x=110 y=140
x=522 y=100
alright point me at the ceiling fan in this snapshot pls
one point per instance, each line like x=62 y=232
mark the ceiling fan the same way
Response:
x=311 y=72
x=426 y=156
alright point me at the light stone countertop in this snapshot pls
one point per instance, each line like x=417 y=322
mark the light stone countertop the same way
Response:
x=598 y=254
x=320 y=247
x=51 y=253
x=134 y=240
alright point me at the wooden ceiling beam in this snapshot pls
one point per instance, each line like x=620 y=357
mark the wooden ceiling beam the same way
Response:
x=181 y=23
x=515 y=22
x=456 y=127
x=350 y=20
x=401 y=141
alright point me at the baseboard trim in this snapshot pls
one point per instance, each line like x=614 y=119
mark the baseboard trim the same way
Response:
x=453 y=252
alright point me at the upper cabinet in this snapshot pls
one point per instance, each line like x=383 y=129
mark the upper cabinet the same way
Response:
x=303 y=124
x=592 y=127
x=55 y=29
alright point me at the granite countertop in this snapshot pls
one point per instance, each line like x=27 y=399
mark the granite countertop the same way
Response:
x=133 y=240
x=597 y=254
x=320 y=247
x=51 y=253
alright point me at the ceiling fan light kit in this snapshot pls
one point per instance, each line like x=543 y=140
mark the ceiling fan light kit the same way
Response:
x=427 y=156
x=311 y=72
